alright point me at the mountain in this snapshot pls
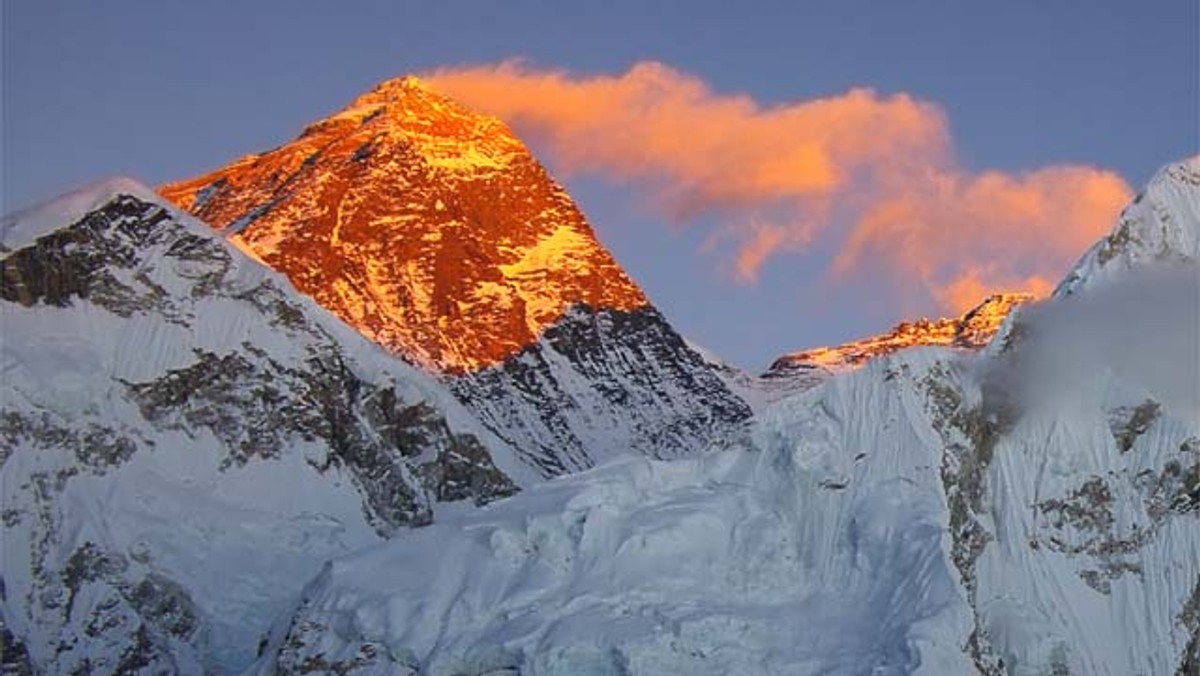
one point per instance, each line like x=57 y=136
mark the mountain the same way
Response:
x=799 y=371
x=1032 y=508
x=186 y=439
x=971 y=331
x=433 y=231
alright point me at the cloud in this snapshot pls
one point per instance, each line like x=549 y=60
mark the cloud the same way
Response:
x=961 y=235
x=874 y=174
x=1142 y=327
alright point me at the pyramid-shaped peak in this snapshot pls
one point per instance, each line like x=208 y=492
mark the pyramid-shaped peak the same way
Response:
x=429 y=227
x=407 y=110
x=411 y=101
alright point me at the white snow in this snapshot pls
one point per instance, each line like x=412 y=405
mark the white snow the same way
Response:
x=21 y=228
x=1161 y=228
x=750 y=560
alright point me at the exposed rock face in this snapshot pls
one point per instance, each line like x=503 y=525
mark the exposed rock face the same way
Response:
x=429 y=228
x=598 y=383
x=170 y=406
x=435 y=232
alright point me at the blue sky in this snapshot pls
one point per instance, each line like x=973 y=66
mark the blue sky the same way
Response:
x=167 y=90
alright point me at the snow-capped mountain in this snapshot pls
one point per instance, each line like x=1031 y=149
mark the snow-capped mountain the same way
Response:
x=972 y=331
x=1033 y=508
x=434 y=232
x=186 y=439
x=802 y=370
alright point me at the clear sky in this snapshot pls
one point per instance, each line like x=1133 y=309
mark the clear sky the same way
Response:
x=166 y=90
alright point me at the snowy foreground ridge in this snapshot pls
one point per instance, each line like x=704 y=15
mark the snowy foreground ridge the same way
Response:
x=204 y=472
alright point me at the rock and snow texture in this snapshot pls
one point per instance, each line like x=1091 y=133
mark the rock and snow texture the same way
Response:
x=434 y=232
x=937 y=511
x=185 y=440
x=926 y=536
x=599 y=384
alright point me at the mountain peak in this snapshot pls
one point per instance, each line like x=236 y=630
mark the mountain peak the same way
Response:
x=1160 y=226
x=448 y=135
x=404 y=82
x=434 y=232
x=21 y=228
x=429 y=227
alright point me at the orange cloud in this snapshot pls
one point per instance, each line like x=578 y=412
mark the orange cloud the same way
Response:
x=873 y=173
x=961 y=236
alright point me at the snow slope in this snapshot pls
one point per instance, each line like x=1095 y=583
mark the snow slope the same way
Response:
x=934 y=512
x=785 y=555
x=186 y=439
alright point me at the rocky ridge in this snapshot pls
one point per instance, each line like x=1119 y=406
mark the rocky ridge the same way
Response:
x=802 y=370
x=972 y=331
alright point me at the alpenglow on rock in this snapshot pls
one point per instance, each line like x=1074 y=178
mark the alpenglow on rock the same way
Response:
x=435 y=232
x=185 y=439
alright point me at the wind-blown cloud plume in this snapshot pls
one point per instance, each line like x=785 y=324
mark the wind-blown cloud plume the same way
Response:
x=873 y=174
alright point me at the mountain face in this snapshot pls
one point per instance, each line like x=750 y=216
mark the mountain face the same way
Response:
x=185 y=439
x=434 y=232
x=1032 y=508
